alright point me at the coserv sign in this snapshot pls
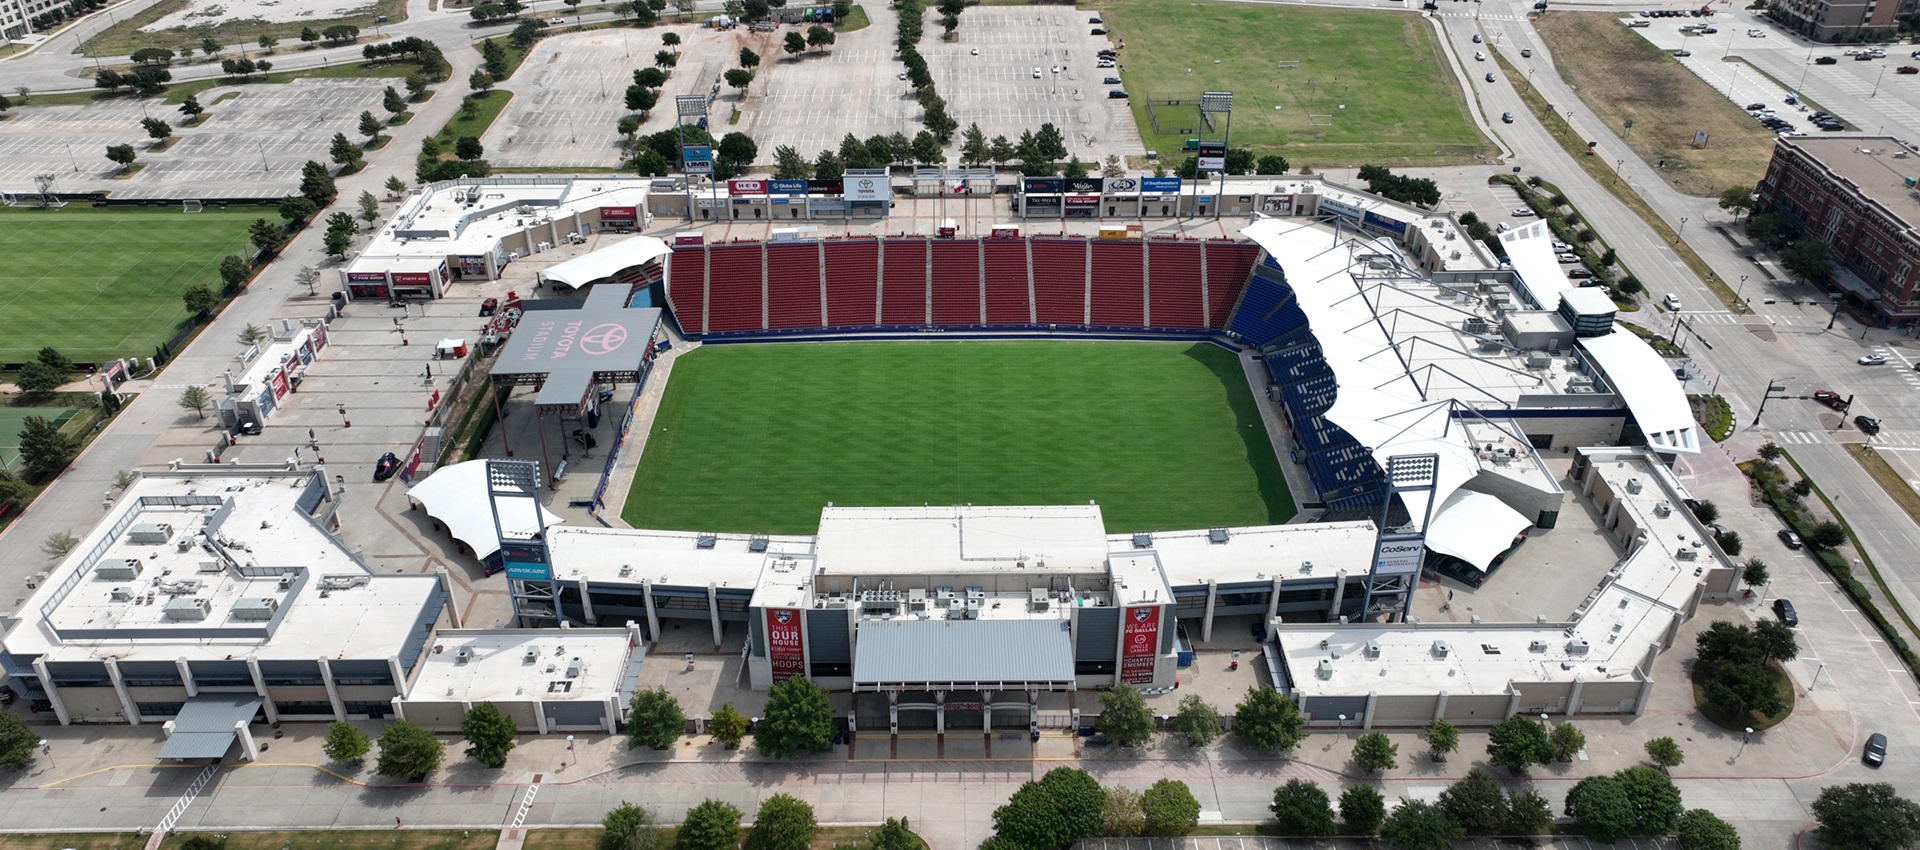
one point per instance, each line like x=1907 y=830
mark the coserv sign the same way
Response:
x=1140 y=645
x=785 y=647
x=1399 y=555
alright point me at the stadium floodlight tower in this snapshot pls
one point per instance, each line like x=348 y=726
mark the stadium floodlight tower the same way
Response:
x=1399 y=551
x=513 y=489
x=1216 y=103
x=697 y=159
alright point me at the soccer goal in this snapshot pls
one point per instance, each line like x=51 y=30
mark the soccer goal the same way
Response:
x=1319 y=120
x=7 y=199
x=191 y=206
x=1284 y=64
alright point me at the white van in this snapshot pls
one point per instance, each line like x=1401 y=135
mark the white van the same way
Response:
x=1672 y=302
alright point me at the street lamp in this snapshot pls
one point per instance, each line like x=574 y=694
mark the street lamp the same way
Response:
x=1343 y=724
x=1745 y=734
x=1737 y=290
x=76 y=163
x=1683 y=229
x=1773 y=386
x=1876 y=81
x=46 y=749
x=344 y=421
x=1838 y=300
x=1544 y=722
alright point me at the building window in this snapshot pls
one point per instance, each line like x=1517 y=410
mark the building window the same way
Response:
x=158 y=709
x=306 y=708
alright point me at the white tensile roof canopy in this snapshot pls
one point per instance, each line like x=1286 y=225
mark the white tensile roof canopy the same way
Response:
x=605 y=262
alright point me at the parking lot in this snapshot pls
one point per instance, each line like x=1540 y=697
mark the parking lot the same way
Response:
x=571 y=93
x=251 y=145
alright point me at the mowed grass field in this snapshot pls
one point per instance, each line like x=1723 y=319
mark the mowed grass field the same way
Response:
x=101 y=283
x=759 y=438
x=1621 y=76
x=1403 y=103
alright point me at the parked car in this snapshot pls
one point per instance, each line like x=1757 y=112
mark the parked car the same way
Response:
x=1826 y=60
x=1526 y=53
x=488 y=306
x=1872 y=360
x=1507 y=117
x=1097 y=31
x=1476 y=38
x=976 y=51
x=1868 y=425
x=1522 y=212
x=1109 y=81
x=1682 y=54
x=1789 y=537
x=1907 y=69
x=1479 y=56
x=1567 y=257
x=1862 y=57
x=1784 y=610
x=1117 y=94
x=1830 y=398
x=1672 y=301
x=1876 y=751
x=1489 y=76
x=1756 y=107
x=554 y=22
x=1582 y=273
x=1036 y=73
x=384 y=468
x=1096 y=19
x=1756 y=34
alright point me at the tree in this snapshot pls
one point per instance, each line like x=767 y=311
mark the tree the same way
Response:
x=728 y=726
x=1124 y=717
x=1374 y=753
x=209 y=46
x=1196 y=721
x=739 y=78
x=1000 y=150
x=1302 y=808
x=121 y=154
x=345 y=742
x=1826 y=535
x=199 y=299
x=58 y=544
x=1865 y=816
x=1655 y=800
x=266 y=237
x=316 y=184
x=1121 y=815
x=490 y=733
x=790 y=165
x=654 y=719
x=416 y=87
x=827 y=166
x=1754 y=572
x=1060 y=808
x=18 y=741
x=748 y=58
x=1807 y=258
x=1268 y=720
x=344 y=152
x=1528 y=813
x=1170 y=808
x=1566 y=739
x=296 y=209
x=1741 y=688
x=468 y=148
x=819 y=36
x=1416 y=825
x=1601 y=809
x=157 y=129
x=15 y=491
x=1517 y=743
x=894 y=835
x=308 y=35
x=795 y=44
x=666 y=58
x=268 y=43
x=629 y=827
x=369 y=207
x=1664 y=753
x=712 y=825
x=652 y=78
x=1703 y=830
x=1775 y=640
x=641 y=99
x=798 y=719
x=1442 y=738
x=337 y=241
x=1706 y=511
x=926 y=149
x=1362 y=809
x=973 y=145
x=191 y=108
x=1049 y=141
x=38 y=378
x=784 y=822
x=1271 y=164
x=408 y=752
x=1737 y=200
x=1476 y=803
x=234 y=271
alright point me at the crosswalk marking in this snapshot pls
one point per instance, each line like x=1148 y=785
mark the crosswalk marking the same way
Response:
x=1801 y=438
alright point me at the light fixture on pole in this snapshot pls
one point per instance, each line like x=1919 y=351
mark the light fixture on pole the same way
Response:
x=1740 y=288
x=1745 y=735
x=1774 y=386
x=1215 y=103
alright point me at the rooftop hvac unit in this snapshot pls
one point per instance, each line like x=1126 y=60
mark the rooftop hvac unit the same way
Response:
x=1663 y=510
x=1538 y=360
x=531 y=655
x=184 y=543
x=1038 y=600
x=835 y=600
x=706 y=540
x=1489 y=345
x=286 y=581
x=209 y=565
x=1474 y=325
x=1633 y=486
x=1441 y=649
x=1579 y=380
x=1537 y=646
x=126 y=570
x=462 y=655
x=1325 y=669
x=1686 y=553
x=974 y=603
x=1577 y=647
x=573 y=668
x=120 y=594
x=254 y=608
x=1373 y=650
x=186 y=609
x=180 y=587
x=1586 y=389
x=942 y=596
x=917 y=599
x=150 y=533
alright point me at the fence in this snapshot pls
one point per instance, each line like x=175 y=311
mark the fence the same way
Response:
x=619 y=440
x=1264 y=842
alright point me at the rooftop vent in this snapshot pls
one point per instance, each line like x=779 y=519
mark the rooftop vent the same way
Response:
x=1633 y=486
x=1577 y=647
x=1441 y=649
x=758 y=543
x=462 y=655
x=1686 y=553
x=1142 y=540
x=531 y=655
x=706 y=540
x=1373 y=650
x=573 y=668
x=120 y=594
x=1218 y=534
x=1537 y=646
x=1325 y=669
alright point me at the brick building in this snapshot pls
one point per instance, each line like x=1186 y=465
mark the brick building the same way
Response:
x=1857 y=194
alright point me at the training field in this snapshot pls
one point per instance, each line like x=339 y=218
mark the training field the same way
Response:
x=758 y=438
x=104 y=283
x=12 y=419
x=1403 y=102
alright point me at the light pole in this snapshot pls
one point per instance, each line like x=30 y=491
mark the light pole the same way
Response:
x=264 y=165
x=569 y=746
x=76 y=163
x=1816 y=676
x=1838 y=300
x=1617 y=165
x=1544 y=722
x=1343 y=725
x=1740 y=288
x=1677 y=236
x=46 y=749
x=1773 y=386
x=1876 y=81
x=1803 y=71
x=1745 y=734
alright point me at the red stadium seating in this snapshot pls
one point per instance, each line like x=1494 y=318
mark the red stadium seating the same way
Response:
x=793 y=286
x=1060 y=281
x=1173 y=291
x=687 y=289
x=956 y=282
x=734 y=291
x=1007 y=301
x=1229 y=264
x=1119 y=279
x=853 y=275
x=903 y=294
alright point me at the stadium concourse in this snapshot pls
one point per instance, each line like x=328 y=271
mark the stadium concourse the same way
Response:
x=1416 y=380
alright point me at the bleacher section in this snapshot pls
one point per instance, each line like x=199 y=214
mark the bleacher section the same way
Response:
x=1119 y=272
x=1060 y=281
x=853 y=288
x=1267 y=309
x=1008 y=298
x=956 y=282
x=793 y=286
x=735 y=295
x=1173 y=286
x=903 y=298
x=1228 y=265
x=688 y=302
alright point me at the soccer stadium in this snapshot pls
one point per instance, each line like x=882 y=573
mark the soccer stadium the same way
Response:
x=1432 y=405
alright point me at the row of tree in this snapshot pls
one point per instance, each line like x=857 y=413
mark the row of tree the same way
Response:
x=783 y=822
x=1068 y=804
x=70 y=11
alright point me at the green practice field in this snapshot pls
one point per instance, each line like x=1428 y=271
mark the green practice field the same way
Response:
x=104 y=283
x=1402 y=102
x=759 y=438
x=12 y=419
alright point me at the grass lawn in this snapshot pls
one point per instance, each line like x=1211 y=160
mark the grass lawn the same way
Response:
x=1732 y=722
x=127 y=36
x=385 y=839
x=1403 y=103
x=177 y=93
x=492 y=103
x=11 y=421
x=72 y=841
x=1621 y=76
x=759 y=438
x=104 y=283
x=825 y=838
x=1714 y=414
x=855 y=21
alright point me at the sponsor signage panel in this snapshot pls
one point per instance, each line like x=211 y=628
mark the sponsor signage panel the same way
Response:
x=412 y=279
x=1141 y=645
x=611 y=214
x=826 y=187
x=280 y=384
x=526 y=560
x=1399 y=554
x=786 y=648
x=866 y=189
x=787 y=187
x=476 y=265
x=1384 y=223
x=1213 y=156
x=689 y=239
x=1083 y=200
x=367 y=277
x=1337 y=208
x=746 y=187
x=1084 y=185
x=697 y=159
x=1043 y=185
x=1006 y=232
x=1160 y=184
x=1122 y=184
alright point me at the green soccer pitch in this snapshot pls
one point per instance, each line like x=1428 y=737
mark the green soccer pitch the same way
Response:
x=759 y=438
x=99 y=284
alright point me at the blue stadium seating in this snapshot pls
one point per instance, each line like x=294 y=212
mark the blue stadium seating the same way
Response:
x=1267 y=309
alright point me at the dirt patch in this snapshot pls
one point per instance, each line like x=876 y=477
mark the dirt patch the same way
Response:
x=1620 y=76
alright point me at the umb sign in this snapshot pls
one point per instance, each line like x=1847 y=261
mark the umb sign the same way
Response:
x=786 y=645
x=1140 y=644
x=696 y=159
x=1399 y=554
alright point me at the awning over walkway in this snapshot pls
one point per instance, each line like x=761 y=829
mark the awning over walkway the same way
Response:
x=963 y=654
x=605 y=262
x=1645 y=382
x=457 y=496
x=205 y=726
x=1474 y=527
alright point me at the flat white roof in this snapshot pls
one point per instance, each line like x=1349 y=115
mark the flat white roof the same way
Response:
x=1530 y=251
x=962 y=539
x=672 y=558
x=270 y=361
x=520 y=665
x=470 y=217
x=334 y=608
x=1260 y=553
x=1607 y=637
x=1645 y=381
